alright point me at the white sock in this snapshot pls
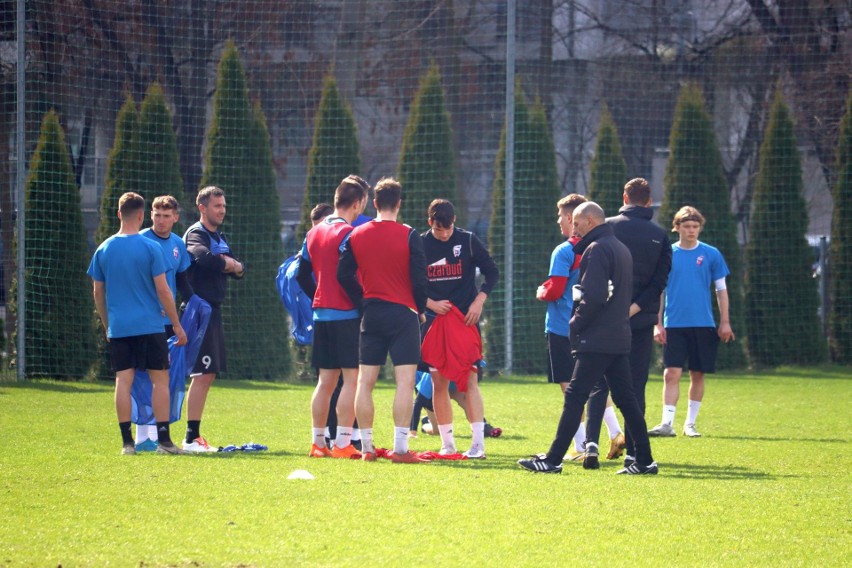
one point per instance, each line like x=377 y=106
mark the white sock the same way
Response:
x=146 y=432
x=478 y=441
x=318 y=436
x=448 y=441
x=356 y=434
x=611 y=420
x=692 y=411
x=580 y=438
x=344 y=437
x=669 y=414
x=141 y=433
x=367 y=441
x=400 y=440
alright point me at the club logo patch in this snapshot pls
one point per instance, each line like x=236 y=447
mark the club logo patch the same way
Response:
x=457 y=251
x=176 y=253
x=699 y=261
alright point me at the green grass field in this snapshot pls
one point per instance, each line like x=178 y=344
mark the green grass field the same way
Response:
x=769 y=484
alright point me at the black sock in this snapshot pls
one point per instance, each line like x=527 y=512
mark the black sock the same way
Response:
x=126 y=436
x=193 y=430
x=163 y=436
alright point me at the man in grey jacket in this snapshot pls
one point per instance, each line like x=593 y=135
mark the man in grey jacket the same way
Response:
x=600 y=337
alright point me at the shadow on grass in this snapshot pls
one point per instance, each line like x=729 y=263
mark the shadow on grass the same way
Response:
x=265 y=454
x=716 y=472
x=789 y=439
x=57 y=386
x=101 y=386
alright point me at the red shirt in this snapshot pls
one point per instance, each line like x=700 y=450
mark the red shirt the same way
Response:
x=324 y=251
x=452 y=347
x=382 y=252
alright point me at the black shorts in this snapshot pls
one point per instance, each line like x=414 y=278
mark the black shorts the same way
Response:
x=389 y=328
x=336 y=344
x=561 y=362
x=145 y=352
x=696 y=346
x=424 y=402
x=170 y=331
x=211 y=354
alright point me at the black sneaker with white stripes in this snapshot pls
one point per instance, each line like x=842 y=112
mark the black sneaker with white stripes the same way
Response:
x=636 y=469
x=538 y=464
x=590 y=459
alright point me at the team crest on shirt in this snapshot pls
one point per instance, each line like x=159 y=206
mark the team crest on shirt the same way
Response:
x=457 y=251
x=699 y=261
x=176 y=253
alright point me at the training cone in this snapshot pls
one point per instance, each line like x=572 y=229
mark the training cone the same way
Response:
x=301 y=474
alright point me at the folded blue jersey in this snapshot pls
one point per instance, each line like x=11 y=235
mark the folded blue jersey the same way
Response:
x=296 y=302
x=181 y=359
x=423 y=384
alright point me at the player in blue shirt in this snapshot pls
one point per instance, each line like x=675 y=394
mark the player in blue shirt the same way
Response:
x=164 y=215
x=686 y=328
x=131 y=293
x=556 y=291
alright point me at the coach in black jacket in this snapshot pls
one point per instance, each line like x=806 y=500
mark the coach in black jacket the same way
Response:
x=600 y=338
x=652 y=260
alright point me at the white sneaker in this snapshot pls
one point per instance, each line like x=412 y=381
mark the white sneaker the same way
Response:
x=475 y=454
x=662 y=431
x=198 y=446
x=689 y=430
x=448 y=451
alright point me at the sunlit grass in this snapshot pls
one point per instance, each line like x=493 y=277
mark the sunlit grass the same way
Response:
x=768 y=484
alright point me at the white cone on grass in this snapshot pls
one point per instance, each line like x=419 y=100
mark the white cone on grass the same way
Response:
x=301 y=474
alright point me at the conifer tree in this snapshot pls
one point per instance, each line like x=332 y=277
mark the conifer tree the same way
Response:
x=239 y=160
x=781 y=295
x=840 y=264
x=333 y=154
x=427 y=167
x=536 y=191
x=695 y=176
x=120 y=164
x=60 y=335
x=120 y=177
x=608 y=170
x=155 y=150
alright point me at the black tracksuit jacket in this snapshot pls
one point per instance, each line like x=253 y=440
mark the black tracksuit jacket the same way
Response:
x=601 y=325
x=651 y=250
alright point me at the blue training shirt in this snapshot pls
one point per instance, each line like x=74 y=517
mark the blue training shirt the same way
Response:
x=559 y=312
x=175 y=256
x=688 y=302
x=128 y=265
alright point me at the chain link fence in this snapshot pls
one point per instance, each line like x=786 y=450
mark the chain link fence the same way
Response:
x=562 y=64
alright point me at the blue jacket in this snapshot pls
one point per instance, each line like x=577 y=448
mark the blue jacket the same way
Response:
x=296 y=302
x=181 y=359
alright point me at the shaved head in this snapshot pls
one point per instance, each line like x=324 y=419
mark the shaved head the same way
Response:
x=591 y=210
x=587 y=216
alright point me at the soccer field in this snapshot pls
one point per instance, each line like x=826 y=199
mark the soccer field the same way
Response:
x=769 y=484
